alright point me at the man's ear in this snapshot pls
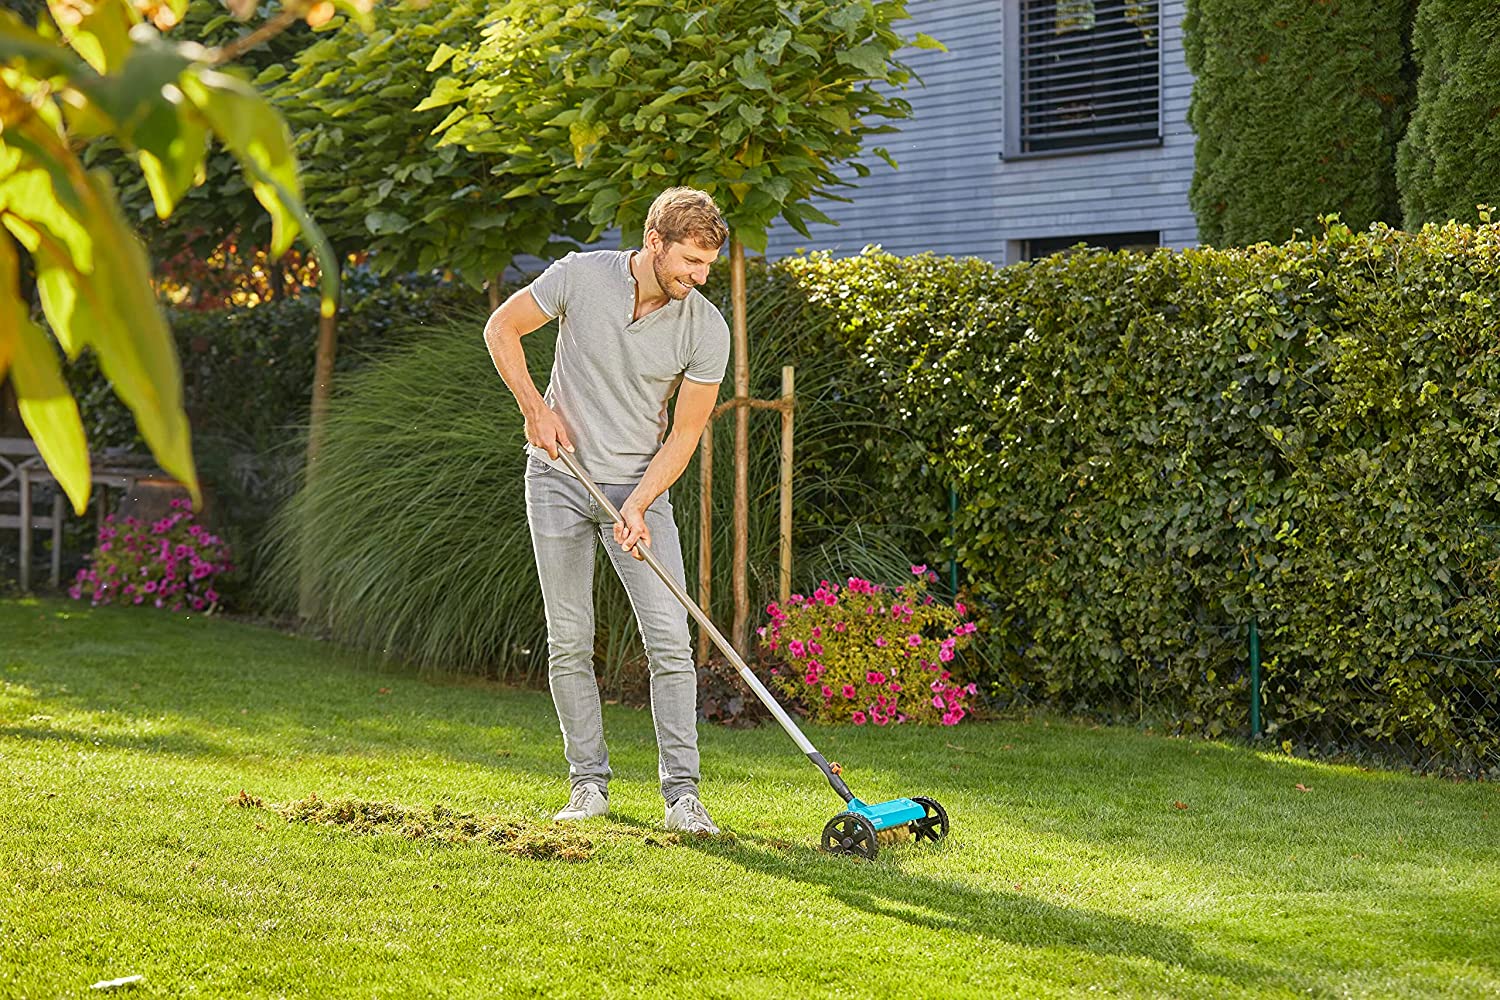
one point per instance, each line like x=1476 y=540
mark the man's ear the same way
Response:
x=653 y=241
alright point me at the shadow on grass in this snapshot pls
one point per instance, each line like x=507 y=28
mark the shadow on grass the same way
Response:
x=265 y=693
x=883 y=889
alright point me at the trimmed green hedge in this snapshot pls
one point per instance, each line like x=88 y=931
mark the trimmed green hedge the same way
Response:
x=1297 y=107
x=1449 y=159
x=1153 y=450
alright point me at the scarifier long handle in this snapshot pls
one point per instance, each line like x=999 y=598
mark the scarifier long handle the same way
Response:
x=703 y=620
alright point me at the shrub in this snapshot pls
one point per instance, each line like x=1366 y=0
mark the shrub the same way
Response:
x=171 y=563
x=247 y=382
x=871 y=653
x=1154 y=450
x=1449 y=159
x=1297 y=108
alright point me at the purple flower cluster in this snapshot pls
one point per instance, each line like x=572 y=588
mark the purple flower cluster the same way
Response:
x=170 y=563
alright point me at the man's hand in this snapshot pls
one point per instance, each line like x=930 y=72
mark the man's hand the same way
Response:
x=633 y=529
x=544 y=428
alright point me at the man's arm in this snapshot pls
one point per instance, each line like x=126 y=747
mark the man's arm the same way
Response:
x=695 y=402
x=516 y=317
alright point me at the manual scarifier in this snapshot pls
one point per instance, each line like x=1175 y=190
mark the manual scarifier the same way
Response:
x=861 y=827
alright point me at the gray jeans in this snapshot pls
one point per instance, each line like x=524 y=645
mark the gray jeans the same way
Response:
x=566 y=525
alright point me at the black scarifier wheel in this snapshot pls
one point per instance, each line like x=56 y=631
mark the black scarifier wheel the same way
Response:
x=850 y=833
x=933 y=826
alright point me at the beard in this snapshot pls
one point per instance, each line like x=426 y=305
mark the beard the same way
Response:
x=675 y=288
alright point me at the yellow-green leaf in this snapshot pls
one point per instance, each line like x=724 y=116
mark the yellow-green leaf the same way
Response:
x=47 y=407
x=255 y=134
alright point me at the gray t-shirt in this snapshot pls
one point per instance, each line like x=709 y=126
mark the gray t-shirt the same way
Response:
x=612 y=376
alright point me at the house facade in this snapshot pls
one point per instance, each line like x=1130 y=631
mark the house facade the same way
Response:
x=1046 y=123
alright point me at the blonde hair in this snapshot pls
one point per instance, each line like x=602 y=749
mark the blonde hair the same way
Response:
x=681 y=213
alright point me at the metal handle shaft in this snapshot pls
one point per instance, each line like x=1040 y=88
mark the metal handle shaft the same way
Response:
x=703 y=620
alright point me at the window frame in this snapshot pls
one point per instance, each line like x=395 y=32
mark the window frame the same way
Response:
x=1011 y=88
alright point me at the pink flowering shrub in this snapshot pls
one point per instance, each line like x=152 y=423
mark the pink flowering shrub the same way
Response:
x=863 y=653
x=170 y=563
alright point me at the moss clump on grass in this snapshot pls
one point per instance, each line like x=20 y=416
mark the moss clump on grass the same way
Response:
x=540 y=842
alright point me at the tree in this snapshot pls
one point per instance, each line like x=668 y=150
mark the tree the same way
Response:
x=95 y=72
x=600 y=105
x=380 y=178
x=1297 y=107
x=1449 y=160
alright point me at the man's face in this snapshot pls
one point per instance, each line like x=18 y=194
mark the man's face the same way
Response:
x=681 y=267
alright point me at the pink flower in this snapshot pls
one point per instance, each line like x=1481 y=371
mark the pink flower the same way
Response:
x=810 y=677
x=849 y=691
x=761 y=631
x=827 y=691
x=814 y=649
x=937 y=701
x=858 y=718
x=918 y=570
x=840 y=627
x=958 y=606
x=817 y=633
x=894 y=685
x=945 y=654
x=880 y=720
x=874 y=677
x=914 y=641
x=796 y=648
x=880 y=641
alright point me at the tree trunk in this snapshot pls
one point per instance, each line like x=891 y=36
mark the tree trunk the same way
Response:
x=740 y=631
x=494 y=290
x=328 y=327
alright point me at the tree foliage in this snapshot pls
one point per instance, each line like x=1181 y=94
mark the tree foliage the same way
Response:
x=601 y=104
x=85 y=74
x=1297 y=108
x=380 y=178
x=1449 y=159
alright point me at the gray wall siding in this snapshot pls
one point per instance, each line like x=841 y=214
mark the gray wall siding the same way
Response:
x=954 y=194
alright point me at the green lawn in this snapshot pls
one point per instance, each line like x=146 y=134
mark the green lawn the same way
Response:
x=126 y=736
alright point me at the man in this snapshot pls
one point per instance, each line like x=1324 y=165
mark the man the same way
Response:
x=633 y=331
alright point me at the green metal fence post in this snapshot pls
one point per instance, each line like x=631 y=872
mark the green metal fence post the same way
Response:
x=1254 y=680
x=1254 y=669
x=953 y=545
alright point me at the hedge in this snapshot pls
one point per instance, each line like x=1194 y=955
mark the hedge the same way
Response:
x=1297 y=107
x=1154 y=450
x=1449 y=160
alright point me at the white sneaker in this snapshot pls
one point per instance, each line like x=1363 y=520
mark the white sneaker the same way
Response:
x=689 y=816
x=586 y=802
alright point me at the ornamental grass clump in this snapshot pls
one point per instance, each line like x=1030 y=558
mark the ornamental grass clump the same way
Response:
x=171 y=563
x=865 y=653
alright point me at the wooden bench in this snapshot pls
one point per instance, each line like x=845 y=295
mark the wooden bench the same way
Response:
x=18 y=459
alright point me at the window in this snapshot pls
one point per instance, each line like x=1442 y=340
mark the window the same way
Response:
x=1083 y=74
x=1039 y=248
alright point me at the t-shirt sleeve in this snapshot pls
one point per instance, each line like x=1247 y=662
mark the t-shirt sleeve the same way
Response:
x=550 y=289
x=710 y=358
